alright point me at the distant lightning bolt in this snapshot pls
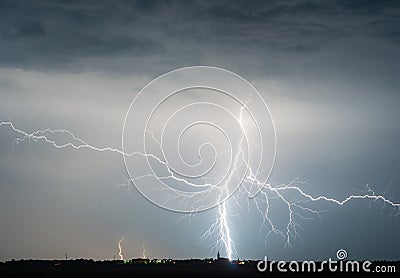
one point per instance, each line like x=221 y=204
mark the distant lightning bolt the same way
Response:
x=143 y=252
x=120 y=248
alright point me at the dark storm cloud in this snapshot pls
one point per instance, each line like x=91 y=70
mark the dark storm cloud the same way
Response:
x=58 y=34
x=76 y=34
x=308 y=24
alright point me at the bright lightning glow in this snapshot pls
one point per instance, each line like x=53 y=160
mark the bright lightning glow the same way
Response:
x=221 y=225
x=121 y=256
x=225 y=233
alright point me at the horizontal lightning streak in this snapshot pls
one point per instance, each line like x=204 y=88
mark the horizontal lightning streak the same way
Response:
x=39 y=135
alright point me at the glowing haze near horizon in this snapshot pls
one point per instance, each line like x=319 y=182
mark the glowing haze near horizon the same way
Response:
x=328 y=72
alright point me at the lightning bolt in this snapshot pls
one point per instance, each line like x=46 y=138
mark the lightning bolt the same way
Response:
x=221 y=226
x=291 y=195
x=225 y=233
x=224 y=227
x=121 y=256
x=143 y=252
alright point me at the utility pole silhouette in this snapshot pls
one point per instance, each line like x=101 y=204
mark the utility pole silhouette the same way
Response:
x=66 y=256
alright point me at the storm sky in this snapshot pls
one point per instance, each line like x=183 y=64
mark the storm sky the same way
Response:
x=329 y=72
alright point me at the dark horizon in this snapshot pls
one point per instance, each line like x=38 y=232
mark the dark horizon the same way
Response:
x=192 y=268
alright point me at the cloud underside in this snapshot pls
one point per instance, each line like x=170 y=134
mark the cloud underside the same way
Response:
x=75 y=35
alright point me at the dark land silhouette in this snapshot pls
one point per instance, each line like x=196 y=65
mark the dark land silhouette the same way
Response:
x=164 y=268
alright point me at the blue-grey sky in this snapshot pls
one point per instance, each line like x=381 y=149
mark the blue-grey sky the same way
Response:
x=327 y=70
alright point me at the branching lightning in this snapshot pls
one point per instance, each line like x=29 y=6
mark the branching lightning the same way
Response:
x=221 y=225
